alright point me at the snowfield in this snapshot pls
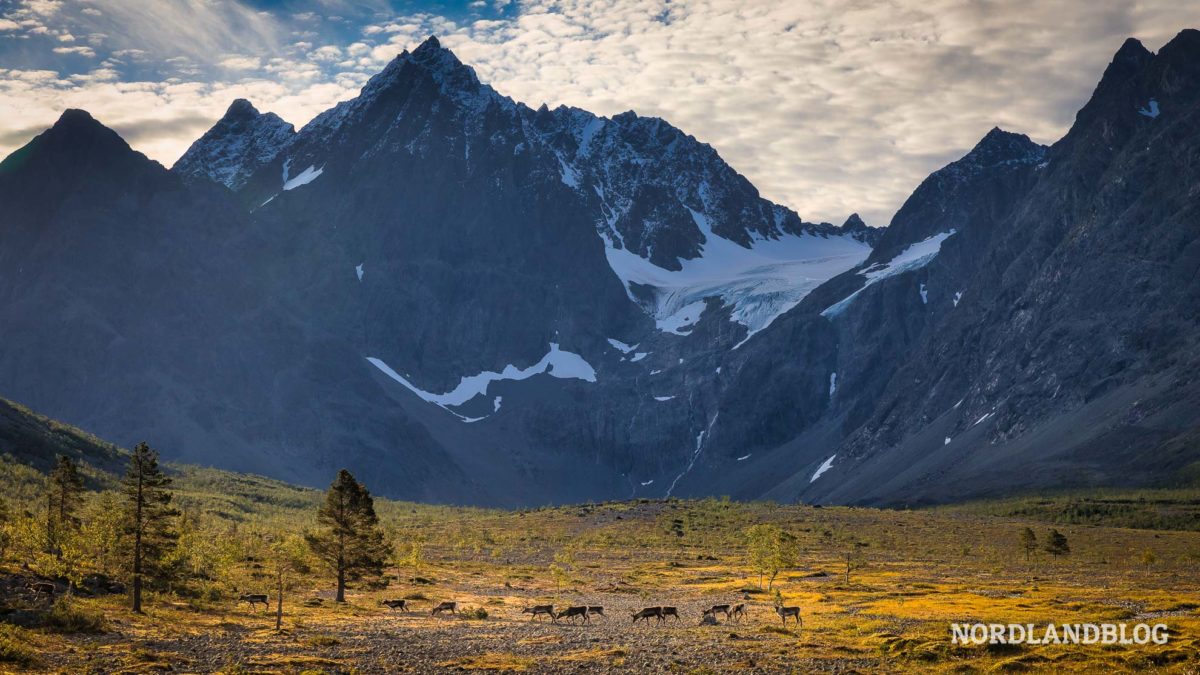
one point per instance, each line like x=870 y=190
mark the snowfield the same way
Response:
x=760 y=283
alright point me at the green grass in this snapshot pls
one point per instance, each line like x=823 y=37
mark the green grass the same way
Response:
x=1166 y=509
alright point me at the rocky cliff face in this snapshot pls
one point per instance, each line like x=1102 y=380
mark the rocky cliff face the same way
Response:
x=471 y=300
x=237 y=146
x=1027 y=320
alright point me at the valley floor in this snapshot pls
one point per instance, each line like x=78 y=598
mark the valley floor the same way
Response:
x=912 y=574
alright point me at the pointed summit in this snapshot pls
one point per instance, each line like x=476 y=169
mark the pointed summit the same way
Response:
x=999 y=146
x=79 y=150
x=431 y=44
x=241 y=108
x=77 y=132
x=1132 y=50
x=236 y=146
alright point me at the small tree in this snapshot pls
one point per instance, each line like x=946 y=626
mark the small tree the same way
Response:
x=769 y=551
x=290 y=559
x=1029 y=542
x=1056 y=544
x=349 y=539
x=148 y=516
x=560 y=569
x=64 y=494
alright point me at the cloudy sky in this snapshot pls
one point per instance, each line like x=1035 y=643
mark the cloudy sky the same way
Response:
x=828 y=106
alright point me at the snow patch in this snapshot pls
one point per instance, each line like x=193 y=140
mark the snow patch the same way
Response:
x=570 y=177
x=358 y=269
x=914 y=257
x=947 y=441
x=957 y=297
x=832 y=384
x=621 y=346
x=695 y=455
x=681 y=322
x=1151 y=111
x=924 y=295
x=556 y=363
x=743 y=458
x=822 y=469
x=649 y=482
x=639 y=356
x=496 y=404
x=663 y=398
x=307 y=176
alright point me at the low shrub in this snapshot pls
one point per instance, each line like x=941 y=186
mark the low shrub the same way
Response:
x=68 y=616
x=14 y=649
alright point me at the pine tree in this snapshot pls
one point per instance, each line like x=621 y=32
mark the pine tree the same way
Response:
x=1029 y=542
x=349 y=539
x=148 y=516
x=1056 y=544
x=64 y=494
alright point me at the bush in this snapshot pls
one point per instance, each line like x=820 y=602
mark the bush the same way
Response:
x=14 y=649
x=66 y=616
x=323 y=641
x=478 y=613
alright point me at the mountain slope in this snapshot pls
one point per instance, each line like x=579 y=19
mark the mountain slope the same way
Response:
x=475 y=301
x=1028 y=319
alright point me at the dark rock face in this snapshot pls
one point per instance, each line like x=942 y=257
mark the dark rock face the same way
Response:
x=1051 y=341
x=237 y=146
x=465 y=299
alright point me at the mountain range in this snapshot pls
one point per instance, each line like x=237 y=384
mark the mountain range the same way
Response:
x=465 y=299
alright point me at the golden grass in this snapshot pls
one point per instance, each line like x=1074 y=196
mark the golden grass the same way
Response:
x=918 y=572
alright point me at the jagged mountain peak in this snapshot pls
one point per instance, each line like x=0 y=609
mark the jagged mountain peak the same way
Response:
x=1000 y=146
x=240 y=143
x=1132 y=50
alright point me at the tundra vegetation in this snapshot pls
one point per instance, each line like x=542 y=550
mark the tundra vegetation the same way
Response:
x=209 y=538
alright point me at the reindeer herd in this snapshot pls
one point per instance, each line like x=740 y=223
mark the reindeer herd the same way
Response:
x=583 y=613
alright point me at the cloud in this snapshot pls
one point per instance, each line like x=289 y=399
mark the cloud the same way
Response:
x=241 y=63
x=78 y=51
x=827 y=106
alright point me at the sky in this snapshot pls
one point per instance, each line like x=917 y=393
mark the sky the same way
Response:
x=827 y=106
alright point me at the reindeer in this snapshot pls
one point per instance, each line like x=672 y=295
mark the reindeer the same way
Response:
x=670 y=611
x=648 y=613
x=548 y=610
x=449 y=606
x=715 y=610
x=572 y=612
x=596 y=609
x=401 y=605
x=738 y=612
x=253 y=599
x=41 y=588
x=785 y=612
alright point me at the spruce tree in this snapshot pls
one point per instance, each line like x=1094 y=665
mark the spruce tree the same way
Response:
x=149 y=516
x=349 y=538
x=1029 y=543
x=1056 y=544
x=64 y=494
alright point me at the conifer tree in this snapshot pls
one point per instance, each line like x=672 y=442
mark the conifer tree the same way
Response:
x=1056 y=544
x=1029 y=542
x=349 y=539
x=149 y=517
x=64 y=494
